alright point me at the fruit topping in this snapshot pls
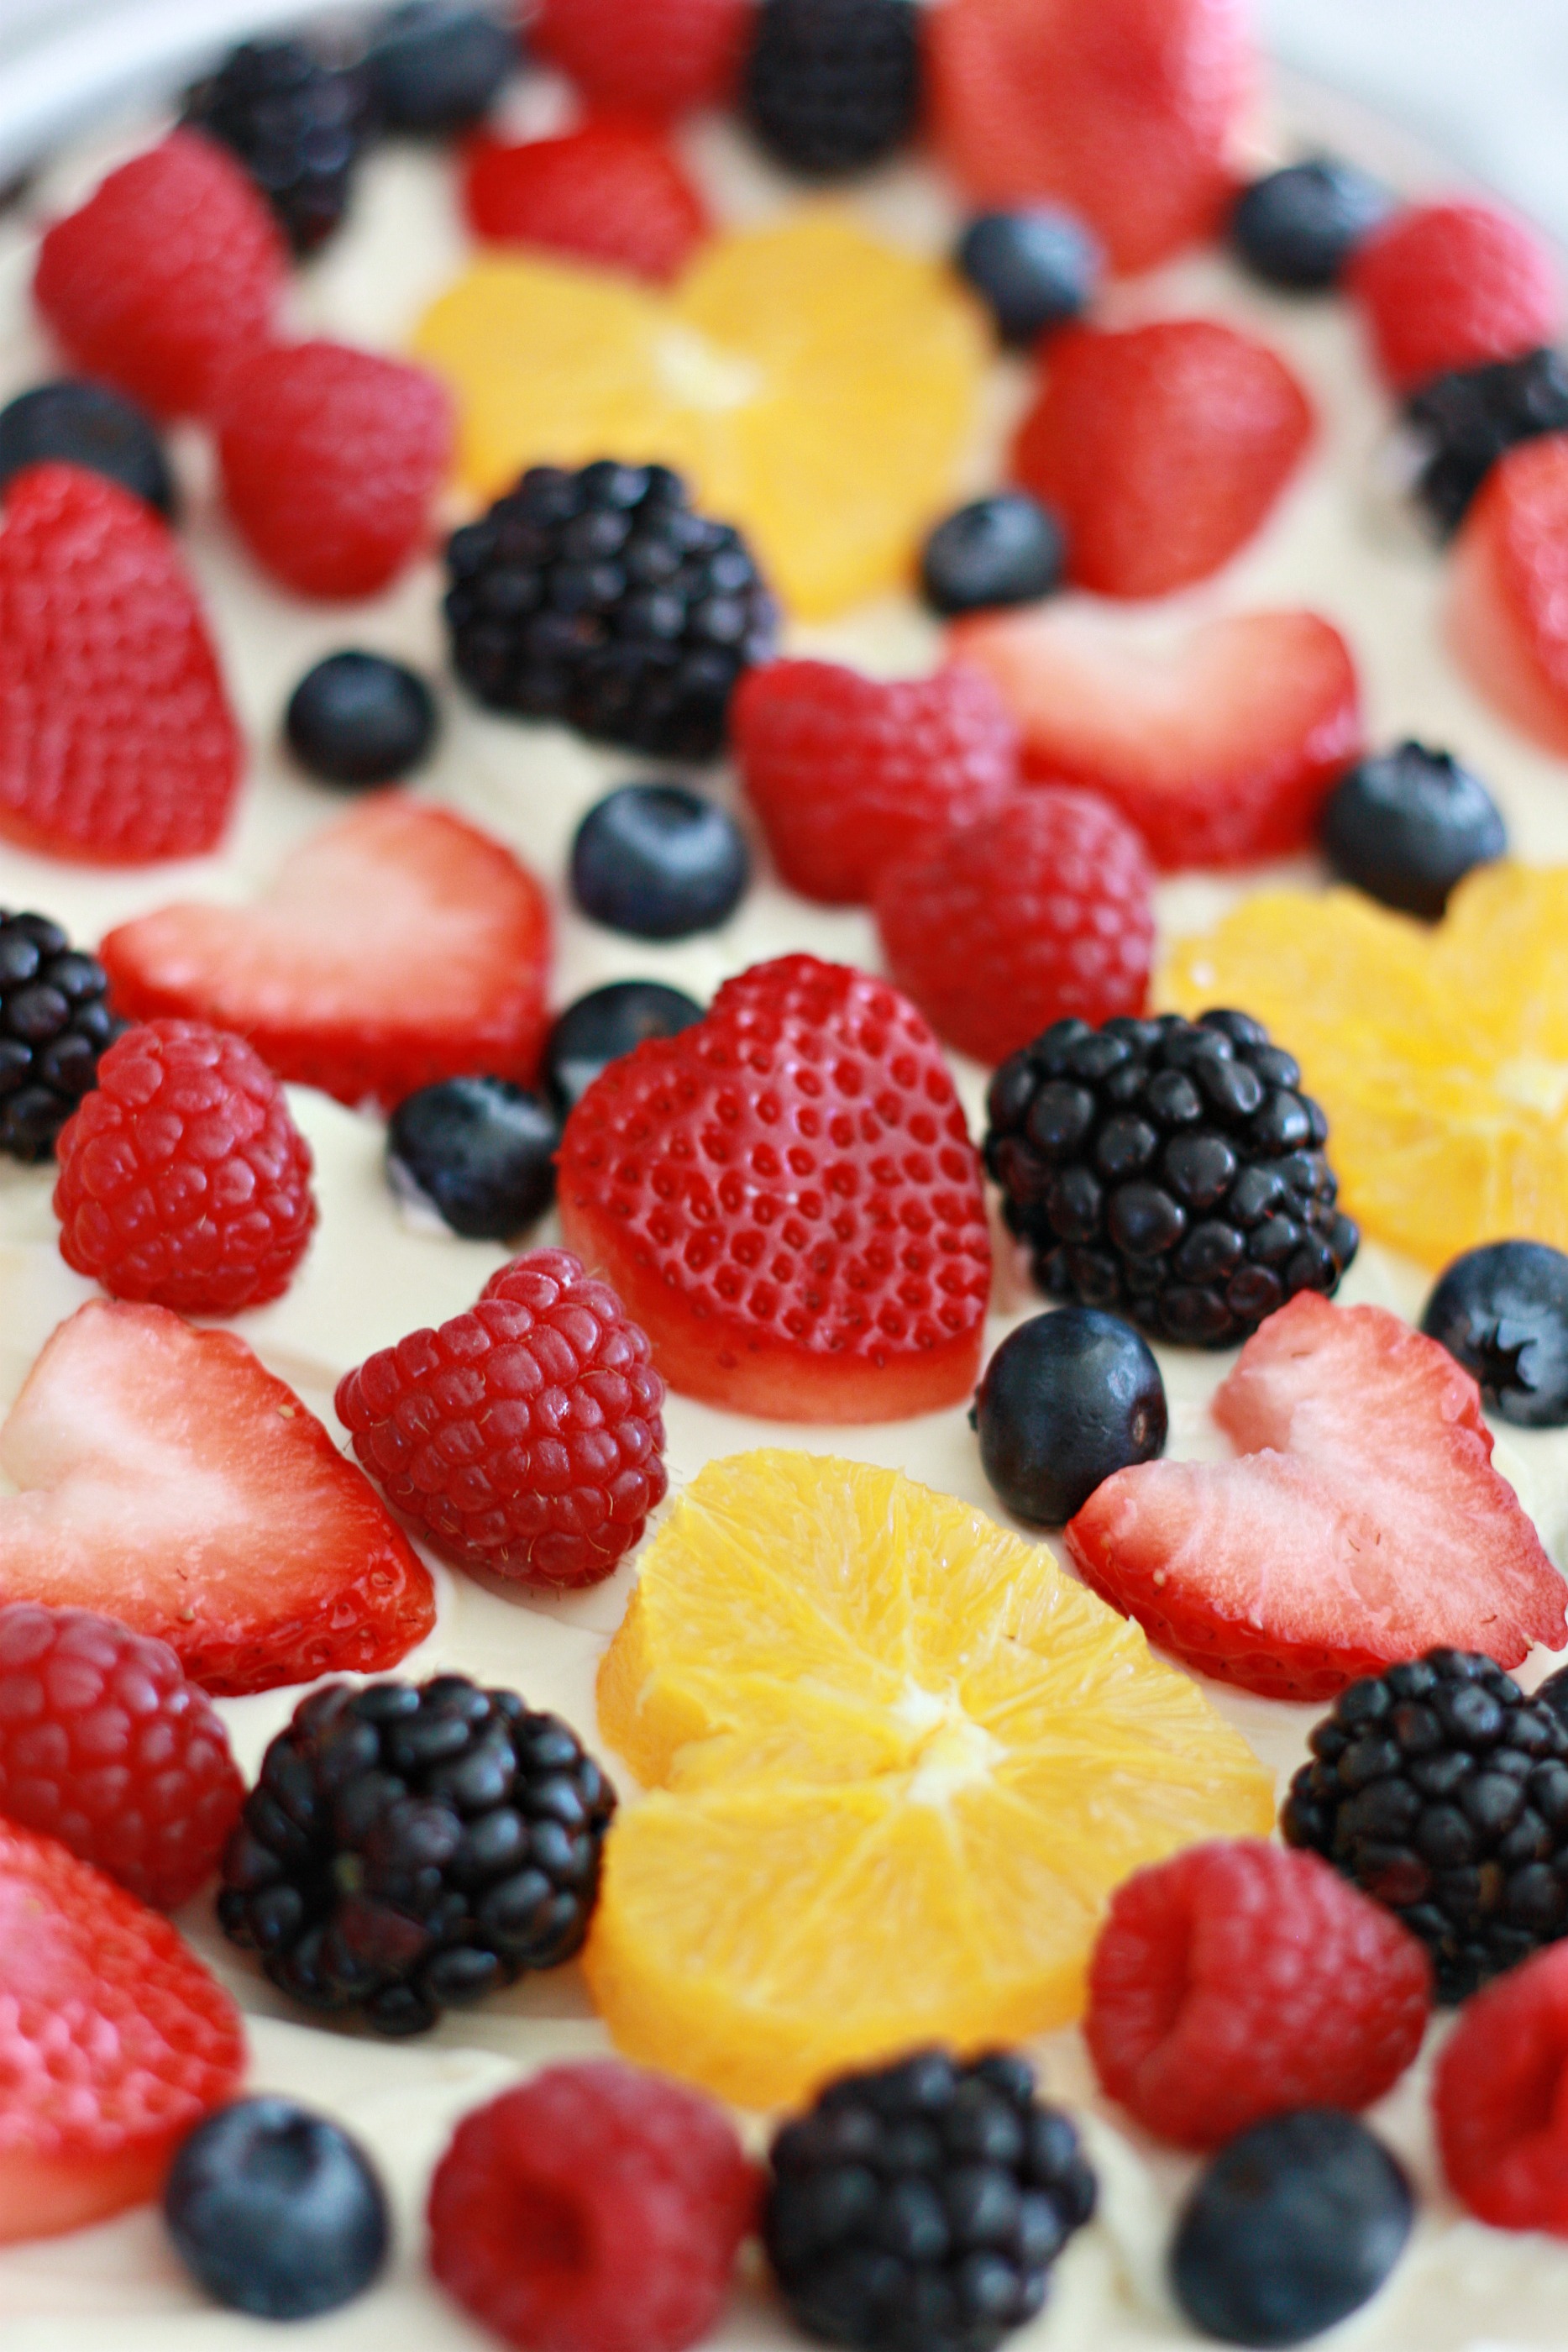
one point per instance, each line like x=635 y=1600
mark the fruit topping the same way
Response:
x=787 y=1199
x=297 y=123
x=478 y=1151
x=1034 y=268
x=1497 y=2099
x=645 y=56
x=54 y=1025
x=1037 y=910
x=1297 y=228
x=435 y=65
x=601 y=1026
x=612 y=191
x=1003 y=550
x=1405 y=825
x=360 y=719
x=397 y=947
x=79 y=424
x=1501 y=1311
x=659 y=862
x=163 y=1476
x=524 y=1438
x=899 y=1761
x=1450 y=285
x=276 y=2211
x=1359 y=1522
x=1066 y=1399
x=1507 y=616
x=1462 y=423
x=925 y=2205
x=411 y=1848
x=833 y=86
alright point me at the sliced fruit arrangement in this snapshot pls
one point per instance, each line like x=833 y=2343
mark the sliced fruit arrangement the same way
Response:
x=612 y=191
x=1507 y=615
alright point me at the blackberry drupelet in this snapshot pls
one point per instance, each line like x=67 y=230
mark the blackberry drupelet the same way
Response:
x=407 y=1849
x=832 y=86
x=920 y=2207
x=1441 y=1790
x=54 y=1025
x=1170 y=1171
x=602 y=598
x=1463 y=422
x=297 y=123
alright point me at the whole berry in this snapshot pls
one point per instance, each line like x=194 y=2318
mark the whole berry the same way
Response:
x=1067 y=1400
x=1451 y=285
x=658 y=862
x=276 y=2211
x=525 y=1436
x=1405 y=825
x=435 y=65
x=183 y=1179
x=360 y=719
x=411 y=1848
x=479 y=1151
x=1297 y=228
x=297 y=124
x=658 y=58
x=1003 y=550
x=1503 y=1312
x=611 y=190
x=833 y=86
x=54 y=1025
x=1034 y=268
x=601 y=1026
x=82 y=424
x=1495 y=2099
x=1462 y=423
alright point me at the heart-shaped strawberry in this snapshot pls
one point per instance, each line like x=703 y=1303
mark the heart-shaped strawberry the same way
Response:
x=787 y=1200
x=117 y=743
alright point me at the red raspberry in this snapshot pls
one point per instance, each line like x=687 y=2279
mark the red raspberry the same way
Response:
x=846 y=772
x=1238 y=1980
x=1039 y=909
x=1451 y=286
x=645 y=56
x=183 y=1180
x=612 y=191
x=593 y=2210
x=331 y=459
x=1501 y=2118
x=105 y=1745
x=168 y=273
x=524 y=1437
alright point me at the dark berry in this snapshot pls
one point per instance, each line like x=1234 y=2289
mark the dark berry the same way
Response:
x=1066 y=1399
x=1004 y=549
x=54 y=1025
x=360 y=719
x=605 y=1024
x=435 y=66
x=1297 y=228
x=1503 y=1312
x=83 y=423
x=1292 y=2227
x=297 y=124
x=1405 y=825
x=276 y=2211
x=658 y=862
x=1459 y=425
x=479 y=1151
x=832 y=86
x=1035 y=268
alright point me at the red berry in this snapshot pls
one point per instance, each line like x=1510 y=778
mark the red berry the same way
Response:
x=1502 y=2122
x=171 y=271
x=645 y=56
x=330 y=460
x=117 y=743
x=1039 y=911
x=1451 y=286
x=107 y=1747
x=593 y=2209
x=1237 y=1980
x=1508 y=620
x=1163 y=448
x=612 y=191
x=182 y=1177
x=524 y=1437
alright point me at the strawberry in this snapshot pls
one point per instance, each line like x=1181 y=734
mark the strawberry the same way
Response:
x=1122 y=110
x=165 y=1478
x=1220 y=747
x=396 y=948
x=1361 y=1525
x=1162 y=448
x=1508 y=614
x=645 y=56
x=785 y=1197
x=117 y=743
x=1453 y=286
x=612 y=191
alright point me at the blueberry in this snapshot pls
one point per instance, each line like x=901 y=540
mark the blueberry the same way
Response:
x=1407 y=824
x=658 y=862
x=1503 y=1312
x=435 y=66
x=605 y=1025
x=1297 y=228
x=1035 y=268
x=87 y=424
x=1006 y=550
x=479 y=1151
x=276 y=2211
x=1066 y=1399
x=359 y=719
x=1294 y=2225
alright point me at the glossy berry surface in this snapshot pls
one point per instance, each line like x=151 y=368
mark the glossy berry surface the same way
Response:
x=435 y=65
x=1296 y=228
x=601 y=1026
x=658 y=862
x=833 y=86
x=1450 y=285
x=1003 y=550
x=658 y=58
x=276 y=2211
x=1066 y=1399
x=1503 y=1312
x=611 y=190
x=1462 y=423
x=1034 y=268
x=1500 y=2124
x=91 y=424
x=1292 y=2227
x=296 y=123
x=1405 y=825
x=360 y=719
x=480 y=1151
x=54 y=1025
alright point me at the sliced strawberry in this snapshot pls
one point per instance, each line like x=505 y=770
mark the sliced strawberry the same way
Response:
x=612 y=191
x=1507 y=617
x=1220 y=746
x=1454 y=285
x=1362 y=1524
x=168 y=1480
x=396 y=948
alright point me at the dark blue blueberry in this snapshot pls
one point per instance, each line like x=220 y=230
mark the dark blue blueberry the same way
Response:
x=1297 y=228
x=479 y=1151
x=276 y=2211
x=1035 y=268
x=1462 y=423
x=1006 y=550
x=658 y=862
x=1503 y=1312
x=1293 y=2226
x=360 y=719
x=87 y=424
x=605 y=1025
x=435 y=66
x=1067 y=1400
x=1407 y=824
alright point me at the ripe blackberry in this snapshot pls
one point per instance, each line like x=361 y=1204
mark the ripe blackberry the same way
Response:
x=1462 y=424
x=602 y=599
x=920 y=2207
x=1442 y=1791
x=832 y=86
x=407 y=1849
x=54 y=1025
x=1171 y=1171
x=297 y=124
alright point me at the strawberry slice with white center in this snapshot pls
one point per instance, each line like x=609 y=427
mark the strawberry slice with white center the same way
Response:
x=168 y=1479
x=1362 y=1524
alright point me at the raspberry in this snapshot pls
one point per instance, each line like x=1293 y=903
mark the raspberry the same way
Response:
x=331 y=458
x=847 y=771
x=645 y=56
x=613 y=192
x=107 y=1747
x=524 y=1437
x=183 y=1180
x=1038 y=910
x=593 y=2209
x=168 y=273
x=1502 y=2125
x=1236 y=1981
x=1449 y=286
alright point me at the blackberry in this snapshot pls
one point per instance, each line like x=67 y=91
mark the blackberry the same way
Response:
x=832 y=86
x=920 y=2207
x=1462 y=424
x=1441 y=1790
x=54 y=1025
x=601 y=598
x=297 y=125
x=1170 y=1171
x=407 y=1849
